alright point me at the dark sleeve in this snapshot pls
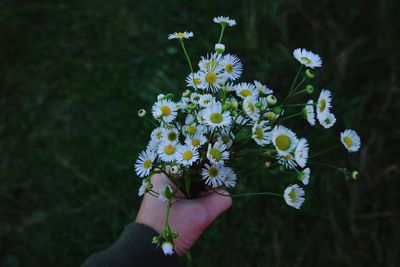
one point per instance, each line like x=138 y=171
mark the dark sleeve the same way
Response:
x=133 y=249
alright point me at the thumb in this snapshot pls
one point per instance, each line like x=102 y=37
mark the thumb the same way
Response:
x=216 y=203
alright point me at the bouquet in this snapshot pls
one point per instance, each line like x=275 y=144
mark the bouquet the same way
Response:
x=200 y=132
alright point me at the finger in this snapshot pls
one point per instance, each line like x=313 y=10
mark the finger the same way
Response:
x=216 y=203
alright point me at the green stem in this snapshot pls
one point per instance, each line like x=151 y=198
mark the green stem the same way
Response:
x=189 y=62
x=298 y=92
x=221 y=34
x=292 y=116
x=325 y=165
x=324 y=151
x=166 y=228
x=257 y=194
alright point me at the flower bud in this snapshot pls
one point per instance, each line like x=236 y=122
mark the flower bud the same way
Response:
x=271 y=116
x=167 y=248
x=234 y=103
x=186 y=93
x=226 y=106
x=219 y=48
x=354 y=175
x=160 y=97
x=175 y=234
x=268 y=164
x=174 y=169
x=309 y=74
x=258 y=104
x=142 y=113
x=271 y=100
x=277 y=110
x=170 y=95
x=309 y=89
x=301 y=176
x=156 y=240
x=192 y=106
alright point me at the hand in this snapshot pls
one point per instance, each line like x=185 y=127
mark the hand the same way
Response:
x=190 y=217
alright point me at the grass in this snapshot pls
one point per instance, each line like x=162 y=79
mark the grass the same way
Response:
x=74 y=73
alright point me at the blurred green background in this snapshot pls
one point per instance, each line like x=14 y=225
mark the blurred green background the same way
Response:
x=73 y=75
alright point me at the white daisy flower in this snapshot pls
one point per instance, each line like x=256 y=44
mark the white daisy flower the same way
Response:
x=212 y=80
x=195 y=97
x=327 y=120
x=307 y=58
x=152 y=145
x=262 y=89
x=283 y=139
x=294 y=196
x=211 y=62
x=196 y=140
x=206 y=100
x=212 y=174
x=180 y=35
x=249 y=107
x=193 y=128
x=226 y=136
x=142 y=188
x=193 y=80
x=187 y=155
x=164 y=110
x=304 y=176
x=217 y=153
x=170 y=134
x=232 y=67
x=190 y=118
x=230 y=87
x=287 y=161
x=225 y=21
x=214 y=117
x=324 y=103
x=261 y=133
x=167 y=248
x=244 y=90
x=144 y=163
x=351 y=140
x=301 y=152
x=240 y=120
x=165 y=193
x=308 y=112
x=229 y=177
x=167 y=151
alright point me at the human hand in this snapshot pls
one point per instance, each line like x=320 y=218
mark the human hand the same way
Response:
x=190 y=217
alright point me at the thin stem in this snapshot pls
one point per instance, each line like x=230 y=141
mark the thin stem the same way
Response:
x=295 y=79
x=189 y=62
x=326 y=165
x=324 y=151
x=151 y=121
x=299 y=92
x=250 y=194
x=222 y=34
x=167 y=215
x=292 y=116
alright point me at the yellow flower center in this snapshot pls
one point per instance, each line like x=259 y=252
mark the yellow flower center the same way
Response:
x=250 y=106
x=293 y=195
x=282 y=142
x=213 y=172
x=245 y=92
x=196 y=81
x=147 y=163
x=259 y=133
x=169 y=149
x=212 y=64
x=191 y=129
x=180 y=34
x=216 y=154
x=322 y=105
x=306 y=60
x=216 y=117
x=348 y=141
x=159 y=135
x=195 y=142
x=165 y=110
x=229 y=68
x=211 y=77
x=225 y=139
x=187 y=155
x=288 y=157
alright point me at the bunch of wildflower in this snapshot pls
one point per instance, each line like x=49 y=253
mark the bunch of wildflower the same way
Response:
x=197 y=133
